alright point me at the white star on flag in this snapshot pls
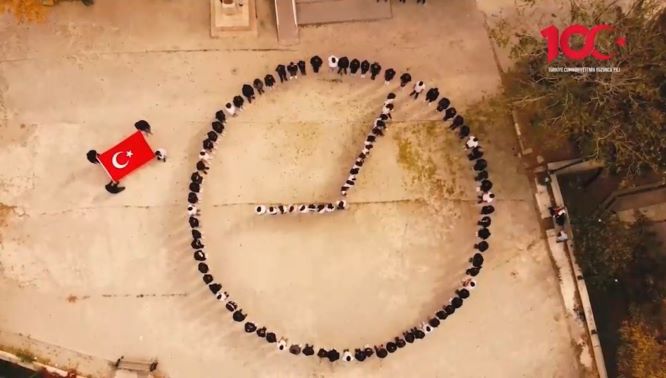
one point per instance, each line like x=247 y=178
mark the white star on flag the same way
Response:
x=129 y=154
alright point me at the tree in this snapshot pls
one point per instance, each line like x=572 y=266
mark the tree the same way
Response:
x=604 y=248
x=617 y=117
x=612 y=252
x=24 y=10
x=640 y=354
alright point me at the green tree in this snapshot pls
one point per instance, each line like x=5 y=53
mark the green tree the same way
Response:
x=618 y=117
x=612 y=252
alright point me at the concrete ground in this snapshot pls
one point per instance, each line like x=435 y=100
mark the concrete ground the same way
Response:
x=102 y=276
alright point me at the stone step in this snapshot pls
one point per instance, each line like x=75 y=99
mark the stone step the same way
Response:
x=285 y=16
x=328 y=11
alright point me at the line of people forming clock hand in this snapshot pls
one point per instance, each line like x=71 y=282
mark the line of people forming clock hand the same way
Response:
x=455 y=122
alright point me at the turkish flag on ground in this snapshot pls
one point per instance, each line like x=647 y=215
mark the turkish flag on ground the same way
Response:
x=126 y=156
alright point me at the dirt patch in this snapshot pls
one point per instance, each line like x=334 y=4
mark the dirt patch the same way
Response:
x=5 y=212
x=423 y=151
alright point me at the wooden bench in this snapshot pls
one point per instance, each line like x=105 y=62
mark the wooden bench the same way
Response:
x=137 y=365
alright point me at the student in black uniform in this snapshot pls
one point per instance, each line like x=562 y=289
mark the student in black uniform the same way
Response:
x=477 y=260
x=473 y=271
x=389 y=75
x=464 y=293
x=482 y=246
x=301 y=66
x=333 y=355
x=248 y=92
x=238 y=102
x=463 y=132
x=484 y=222
x=375 y=69
x=480 y=165
x=485 y=186
x=282 y=72
x=450 y=113
x=308 y=350
x=365 y=66
x=218 y=127
x=199 y=255
x=475 y=153
x=197 y=244
x=359 y=355
x=483 y=233
x=220 y=116
x=143 y=126
x=238 y=315
x=405 y=79
x=488 y=209
x=113 y=187
x=316 y=63
x=431 y=95
x=208 y=144
x=458 y=120
x=269 y=80
x=483 y=175
x=456 y=302
x=92 y=156
x=293 y=70
x=380 y=351
x=212 y=135
x=442 y=104
x=250 y=327
x=295 y=349
x=259 y=86
x=354 y=65
x=202 y=167
x=343 y=64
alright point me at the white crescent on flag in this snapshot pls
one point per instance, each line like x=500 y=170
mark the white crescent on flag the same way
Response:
x=114 y=160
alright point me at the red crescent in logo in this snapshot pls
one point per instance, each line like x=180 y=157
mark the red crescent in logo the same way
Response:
x=593 y=34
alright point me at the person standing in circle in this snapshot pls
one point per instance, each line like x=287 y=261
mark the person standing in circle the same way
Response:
x=332 y=63
x=316 y=63
x=418 y=88
x=388 y=75
x=365 y=67
x=269 y=80
x=282 y=72
x=354 y=65
x=143 y=126
x=405 y=79
x=343 y=64
x=301 y=66
x=248 y=92
x=259 y=86
x=375 y=69
x=293 y=70
x=92 y=156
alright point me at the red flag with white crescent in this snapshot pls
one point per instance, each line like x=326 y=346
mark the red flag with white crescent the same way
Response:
x=126 y=156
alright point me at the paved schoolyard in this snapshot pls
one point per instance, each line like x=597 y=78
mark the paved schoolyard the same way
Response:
x=106 y=276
